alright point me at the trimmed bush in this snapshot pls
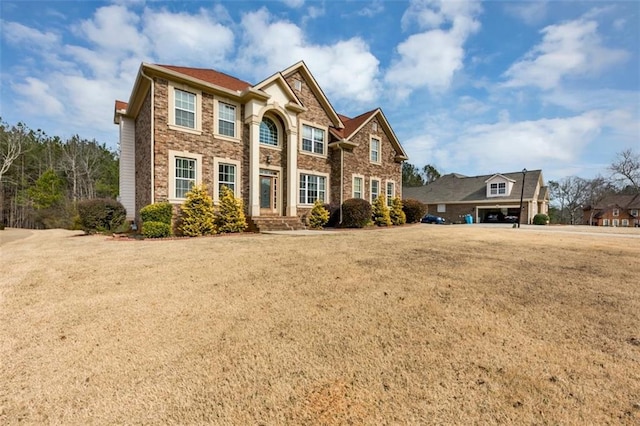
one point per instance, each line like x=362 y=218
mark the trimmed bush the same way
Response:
x=100 y=215
x=380 y=211
x=414 y=210
x=157 y=212
x=156 y=229
x=1 y=226
x=198 y=215
x=540 y=219
x=334 y=214
x=356 y=213
x=319 y=216
x=230 y=216
x=397 y=215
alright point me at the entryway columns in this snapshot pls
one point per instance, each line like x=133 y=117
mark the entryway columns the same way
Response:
x=292 y=172
x=254 y=167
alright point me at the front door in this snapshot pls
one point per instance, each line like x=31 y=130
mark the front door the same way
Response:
x=268 y=193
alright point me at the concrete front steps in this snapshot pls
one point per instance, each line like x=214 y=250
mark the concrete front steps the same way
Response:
x=275 y=223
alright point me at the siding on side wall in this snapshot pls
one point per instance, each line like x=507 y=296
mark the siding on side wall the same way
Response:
x=127 y=167
x=143 y=156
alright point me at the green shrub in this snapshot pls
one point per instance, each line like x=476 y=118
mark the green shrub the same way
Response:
x=356 y=213
x=230 y=216
x=100 y=215
x=380 y=211
x=319 y=216
x=540 y=219
x=397 y=215
x=153 y=229
x=1 y=226
x=157 y=212
x=414 y=210
x=198 y=215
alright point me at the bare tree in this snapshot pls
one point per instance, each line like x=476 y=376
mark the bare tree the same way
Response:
x=12 y=143
x=596 y=190
x=626 y=169
x=568 y=194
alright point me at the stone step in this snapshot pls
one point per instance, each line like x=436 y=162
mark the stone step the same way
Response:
x=275 y=223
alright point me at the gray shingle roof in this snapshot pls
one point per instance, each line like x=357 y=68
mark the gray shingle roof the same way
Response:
x=454 y=187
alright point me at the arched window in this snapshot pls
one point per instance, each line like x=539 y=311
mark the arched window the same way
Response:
x=268 y=132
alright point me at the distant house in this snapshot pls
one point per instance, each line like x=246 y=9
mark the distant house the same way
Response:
x=487 y=198
x=615 y=210
x=278 y=144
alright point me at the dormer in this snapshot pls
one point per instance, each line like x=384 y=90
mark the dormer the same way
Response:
x=499 y=186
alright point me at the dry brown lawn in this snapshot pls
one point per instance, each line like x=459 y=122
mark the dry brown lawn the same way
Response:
x=417 y=325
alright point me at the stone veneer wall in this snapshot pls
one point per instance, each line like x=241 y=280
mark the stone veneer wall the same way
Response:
x=205 y=144
x=143 y=156
x=356 y=161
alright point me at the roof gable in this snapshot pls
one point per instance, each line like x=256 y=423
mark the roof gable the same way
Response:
x=301 y=68
x=498 y=177
x=277 y=86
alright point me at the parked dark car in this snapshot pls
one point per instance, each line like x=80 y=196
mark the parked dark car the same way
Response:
x=430 y=218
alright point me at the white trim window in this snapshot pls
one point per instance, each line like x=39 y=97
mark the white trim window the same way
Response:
x=358 y=187
x=313 y=140
x=185 y=108
x=616 y=212
x=312 y=188
x=498 y=188
x=225 y=172
x=375 y=189
x=374 y=150
x=268 y=132
x=227 y=119
x=605 y=222
x=615 y=222
x=442 y=208
x=625 y=222
x=391 y=192
x=634 y=212
x=184 y=173
x=227 y=176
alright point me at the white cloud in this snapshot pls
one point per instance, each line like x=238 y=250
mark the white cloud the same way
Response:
x=183 y=38
x=345 y=70
x=431 y=58
x=573 y=48
x=37 y=93
x=295 y=4
x=27 y=37
x=531 y=13
x=372 y=9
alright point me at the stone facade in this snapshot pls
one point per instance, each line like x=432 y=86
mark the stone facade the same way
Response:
x=337 y=163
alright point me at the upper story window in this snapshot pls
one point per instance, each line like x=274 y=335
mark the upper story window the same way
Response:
x=634 y=212
x=185 y=109
x=616 y=212
x=499 y=188
x=226 y=119
x=313 y=139
x=268 y=132
x=374 y=150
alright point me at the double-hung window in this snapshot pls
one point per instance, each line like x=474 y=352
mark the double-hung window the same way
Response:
x=185 y=109
x=312 y=139
x=616 y=212
x=226 y=176
x=391 y=189
x=499 y=188
x=374 y=151
x=312 y=188
x=357 y=187
x=375 y=189
x=227 y=119
x=185 y=176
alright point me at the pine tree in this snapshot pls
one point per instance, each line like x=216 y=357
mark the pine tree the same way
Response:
x=398 y=217
x=230 y=216
x=319 y=216
x=381 y=212
x=198 y=213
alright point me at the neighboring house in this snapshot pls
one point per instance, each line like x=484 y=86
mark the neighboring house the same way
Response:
x=489 y=198
x=614 y=210
x=279 y=144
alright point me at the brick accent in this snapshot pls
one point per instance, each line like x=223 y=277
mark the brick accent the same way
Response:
x=143 y=156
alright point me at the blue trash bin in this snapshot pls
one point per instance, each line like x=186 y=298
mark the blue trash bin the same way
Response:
x=468 y=218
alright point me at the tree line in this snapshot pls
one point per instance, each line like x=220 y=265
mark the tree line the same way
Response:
x=43 y=177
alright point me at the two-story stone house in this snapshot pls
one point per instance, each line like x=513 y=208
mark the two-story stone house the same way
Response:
x=279 y=144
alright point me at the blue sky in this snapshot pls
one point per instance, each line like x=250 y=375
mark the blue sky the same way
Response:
x=470 y=87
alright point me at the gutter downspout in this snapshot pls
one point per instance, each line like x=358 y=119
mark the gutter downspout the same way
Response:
x=152 y=136
x=341 y=181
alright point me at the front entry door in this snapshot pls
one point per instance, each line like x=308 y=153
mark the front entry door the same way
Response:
x=268 y=193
